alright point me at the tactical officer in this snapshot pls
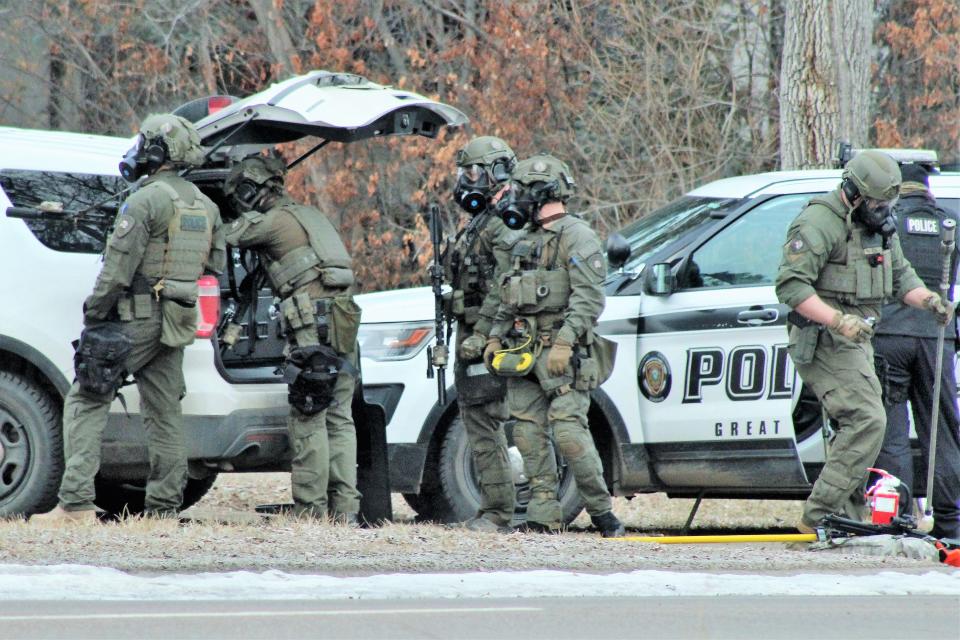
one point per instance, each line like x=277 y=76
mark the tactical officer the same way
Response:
x=906 y=340
x=841 y=262
x=311 y=272
x=479 y=252
x=543 y=340
x=140 y=316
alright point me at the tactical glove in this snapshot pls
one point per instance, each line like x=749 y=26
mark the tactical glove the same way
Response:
x=942 y=312
x=851 y=327
x=493 y=345
x=559 y=357
x=472 y=346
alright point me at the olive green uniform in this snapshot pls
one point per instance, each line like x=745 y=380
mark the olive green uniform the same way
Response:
x=308 y=266
x=849 y=268
x=553 y=286
x=167 y=231
x=479 y=253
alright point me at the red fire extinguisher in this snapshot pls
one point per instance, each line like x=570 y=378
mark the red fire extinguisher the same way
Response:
x=884 y=497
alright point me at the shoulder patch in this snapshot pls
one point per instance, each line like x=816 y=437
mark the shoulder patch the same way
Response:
x=125 y=223
x=594 y=263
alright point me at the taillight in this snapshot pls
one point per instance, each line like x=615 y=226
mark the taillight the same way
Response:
x=215 y=103
x=208 y=302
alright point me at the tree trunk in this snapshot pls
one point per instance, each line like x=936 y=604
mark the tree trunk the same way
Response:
x=824 y=80
x=278 y=38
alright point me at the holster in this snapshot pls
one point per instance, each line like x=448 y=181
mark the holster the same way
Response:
x=803 y=338
x=311 y=373
x=99 y=359
x=475 y=385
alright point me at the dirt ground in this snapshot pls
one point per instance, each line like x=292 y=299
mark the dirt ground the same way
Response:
x=224 y=533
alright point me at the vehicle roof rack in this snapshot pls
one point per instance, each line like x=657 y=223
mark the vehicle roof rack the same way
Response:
x=925 y=157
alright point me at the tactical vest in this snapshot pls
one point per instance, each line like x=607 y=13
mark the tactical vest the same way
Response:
x=918 y=226
x=865 y=276
x=532 y=288
x=182 y=256
x=472 y=268
x=325 y=256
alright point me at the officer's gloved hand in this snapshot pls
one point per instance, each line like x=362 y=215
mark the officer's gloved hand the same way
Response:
x=493 y=345
x=472 y=346
x=559 y=357
x=851 y=327
x=942 y=312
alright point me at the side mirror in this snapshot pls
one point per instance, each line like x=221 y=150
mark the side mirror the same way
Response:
x=660 y=279
x=618 y=250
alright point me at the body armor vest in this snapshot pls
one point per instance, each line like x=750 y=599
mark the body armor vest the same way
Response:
x=324 y=257
x=182 y=255
x=865 y=273
x=472 y=268
x=532 y=287
x=918 y=226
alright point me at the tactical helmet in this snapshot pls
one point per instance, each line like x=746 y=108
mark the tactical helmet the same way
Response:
x=178 y=134
x=257 y=169
x=553 y=172
x=486 y=150
x=875 y=175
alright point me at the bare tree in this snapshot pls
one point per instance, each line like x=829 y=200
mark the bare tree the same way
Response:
x=824 y=79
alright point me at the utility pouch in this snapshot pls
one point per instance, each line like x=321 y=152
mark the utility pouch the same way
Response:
x=456 y=302
x=180 y=290
x=142 y=306
x=125 y=309
x=336 y=277
x=178 y=323
x=803 y=343
x=475 y=385
x=343 y=316
x=299 y=320
x=99 y=359
x=604 y=353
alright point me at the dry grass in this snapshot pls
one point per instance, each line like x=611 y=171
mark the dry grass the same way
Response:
x=259 y=543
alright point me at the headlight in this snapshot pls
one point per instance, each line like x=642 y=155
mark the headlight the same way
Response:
x=394 y=340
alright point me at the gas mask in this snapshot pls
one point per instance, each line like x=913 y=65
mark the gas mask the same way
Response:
x=876 y=214
x=143 y=158
x=247 y=195
x=477 y=183
x=520 y=204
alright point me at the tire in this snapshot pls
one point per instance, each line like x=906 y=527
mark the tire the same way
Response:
x=123 y=498
x=461 y=489
x=31 y=447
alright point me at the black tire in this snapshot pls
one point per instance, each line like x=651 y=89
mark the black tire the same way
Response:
x=31 y=447
x=125 y=498
x=461 y=490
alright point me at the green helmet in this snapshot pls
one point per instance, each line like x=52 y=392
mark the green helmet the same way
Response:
x=550 y=170
x=486 y=150
x=256 y=169
x=178 y=134
x=875 y=175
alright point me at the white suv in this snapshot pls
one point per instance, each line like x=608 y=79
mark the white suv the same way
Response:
x=703 y=400
x=235 y=407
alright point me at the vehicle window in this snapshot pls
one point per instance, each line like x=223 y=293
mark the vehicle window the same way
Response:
x=666 y=224
x=748 y=251
x=76 y=191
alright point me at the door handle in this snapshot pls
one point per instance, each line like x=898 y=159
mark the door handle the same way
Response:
x=758 y=316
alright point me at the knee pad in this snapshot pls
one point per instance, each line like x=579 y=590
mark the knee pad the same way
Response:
x=524 y=435
x=571 y=439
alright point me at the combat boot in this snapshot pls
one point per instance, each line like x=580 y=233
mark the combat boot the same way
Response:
x=531 y=526
x=609 y=525
x=485 y=525
x=351 y=520
x=60 y=516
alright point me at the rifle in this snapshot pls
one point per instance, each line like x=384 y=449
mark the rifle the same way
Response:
x=438 y=354
x=95 y=222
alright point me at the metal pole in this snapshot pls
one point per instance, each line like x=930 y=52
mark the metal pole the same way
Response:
x=947 y=230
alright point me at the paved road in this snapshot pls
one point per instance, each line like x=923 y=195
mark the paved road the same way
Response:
x=772 y=617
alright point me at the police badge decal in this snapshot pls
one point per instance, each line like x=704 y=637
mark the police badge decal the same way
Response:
x=654 y=377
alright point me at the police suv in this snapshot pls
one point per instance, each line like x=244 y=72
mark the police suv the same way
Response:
x=703 y=400
x=235 y=407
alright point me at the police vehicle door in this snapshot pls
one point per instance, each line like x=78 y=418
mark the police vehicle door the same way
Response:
x=715 y=380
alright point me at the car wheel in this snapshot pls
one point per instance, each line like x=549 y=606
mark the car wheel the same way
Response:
x=31 y=447
x=461 y=488
x=124 y=498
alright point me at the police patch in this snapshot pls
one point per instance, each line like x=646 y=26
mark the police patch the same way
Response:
x=922 y=226
x=125 y=225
